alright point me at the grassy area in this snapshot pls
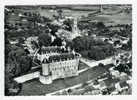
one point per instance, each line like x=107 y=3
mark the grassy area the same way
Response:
x=34 y=87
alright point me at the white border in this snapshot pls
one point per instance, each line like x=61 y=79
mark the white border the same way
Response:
x=50 y=2
x=55 y=2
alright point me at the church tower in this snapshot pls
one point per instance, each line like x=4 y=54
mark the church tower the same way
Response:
x=101 y=8
x=75 y=26
x=75 y=30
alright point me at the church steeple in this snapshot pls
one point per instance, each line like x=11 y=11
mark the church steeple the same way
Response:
x=101 y=8
x=75 y=26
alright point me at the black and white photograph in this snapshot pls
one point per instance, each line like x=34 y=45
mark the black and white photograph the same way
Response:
x=68 y=50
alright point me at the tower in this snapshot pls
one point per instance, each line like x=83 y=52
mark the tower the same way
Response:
x=101 y=8
x=75 y=28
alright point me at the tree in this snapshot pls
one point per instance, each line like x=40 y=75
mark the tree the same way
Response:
x=57 y=42
x=68 y=24
x=129 y=43
x=16 y=64
x=60 y=12
x=7 y=49
x=96 y=54
x=44 y=39
x=21 y=40
x=69 y=44
x=100 y=25
x=25 y=64
x=54 y=29
x=12 y=88
x=18 y=61
x=101 y=65
x=78 y=44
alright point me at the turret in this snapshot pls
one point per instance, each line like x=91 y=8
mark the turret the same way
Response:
x=45 y=77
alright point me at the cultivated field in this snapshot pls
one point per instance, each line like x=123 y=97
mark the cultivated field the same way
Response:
x=109 y=15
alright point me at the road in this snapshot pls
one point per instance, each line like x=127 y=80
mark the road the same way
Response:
x=95 y=63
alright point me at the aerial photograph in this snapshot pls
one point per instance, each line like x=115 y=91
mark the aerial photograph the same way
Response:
x=67 y=50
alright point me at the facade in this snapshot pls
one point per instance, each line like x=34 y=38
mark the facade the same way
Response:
x=57 y=64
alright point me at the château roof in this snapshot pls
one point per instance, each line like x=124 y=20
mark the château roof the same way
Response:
x=51 y=49
x=61 y=57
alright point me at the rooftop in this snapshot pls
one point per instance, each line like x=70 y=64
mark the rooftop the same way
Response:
x=62 y=57
x=51 y=49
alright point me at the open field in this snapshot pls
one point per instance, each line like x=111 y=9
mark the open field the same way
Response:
x=114 y=19
x=110 y=15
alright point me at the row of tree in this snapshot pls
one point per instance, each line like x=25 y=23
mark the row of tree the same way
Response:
x=91 y=48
